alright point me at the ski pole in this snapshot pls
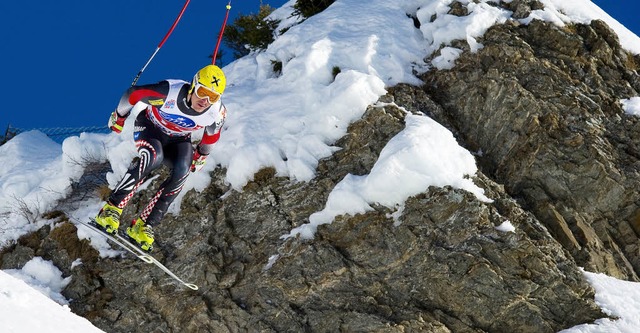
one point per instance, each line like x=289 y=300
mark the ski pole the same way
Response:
x=161 y=42
x=224 y=23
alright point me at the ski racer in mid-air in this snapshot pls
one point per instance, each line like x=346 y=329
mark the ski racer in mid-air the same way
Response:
x=162 y=135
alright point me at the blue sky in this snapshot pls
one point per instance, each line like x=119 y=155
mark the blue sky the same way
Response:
x=77 y=57
x=624 y=11
x=65 y=63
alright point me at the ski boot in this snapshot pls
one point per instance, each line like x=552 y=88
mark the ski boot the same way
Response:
x=108 y=219
x=141 y=235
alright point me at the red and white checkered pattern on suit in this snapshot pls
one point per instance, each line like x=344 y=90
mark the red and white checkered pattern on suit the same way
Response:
x=126 y=199
x=147 y=210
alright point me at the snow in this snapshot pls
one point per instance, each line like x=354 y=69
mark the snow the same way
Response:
x=26 y=307
x=631 y=105
x=506 y=226
x=43 y=276
x=424 y=154
x=618 y=299
x=290 y=121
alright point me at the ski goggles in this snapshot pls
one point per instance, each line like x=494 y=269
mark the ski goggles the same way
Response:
x=204 y=92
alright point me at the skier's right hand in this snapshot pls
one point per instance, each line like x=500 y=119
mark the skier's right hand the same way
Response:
x=198 y=161
x=116 y=122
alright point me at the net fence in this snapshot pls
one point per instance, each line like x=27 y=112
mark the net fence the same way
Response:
x=57 y=134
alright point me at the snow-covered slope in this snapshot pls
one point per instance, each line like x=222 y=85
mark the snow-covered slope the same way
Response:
x=23 y=309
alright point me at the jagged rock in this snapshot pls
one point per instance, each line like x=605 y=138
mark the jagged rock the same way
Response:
x=540 y=102
x=16 y=257
x=522 y=8
x=442 y=268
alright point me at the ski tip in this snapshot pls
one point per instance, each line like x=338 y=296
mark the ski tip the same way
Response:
x=191 y=286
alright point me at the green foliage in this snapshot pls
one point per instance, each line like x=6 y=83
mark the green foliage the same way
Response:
x=335 y=71
x=277 y=67
x=250 y=33
x=308 y=8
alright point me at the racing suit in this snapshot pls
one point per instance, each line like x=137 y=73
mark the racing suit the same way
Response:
x=162 y=135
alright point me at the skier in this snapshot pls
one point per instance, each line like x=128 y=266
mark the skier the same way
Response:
x=162 y=135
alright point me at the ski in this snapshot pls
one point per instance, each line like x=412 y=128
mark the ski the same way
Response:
x=159 y=264
x=126 y=245
x=136 y=251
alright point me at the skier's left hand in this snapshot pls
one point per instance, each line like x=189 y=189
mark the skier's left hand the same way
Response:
x=198 y=161
x=116 y=122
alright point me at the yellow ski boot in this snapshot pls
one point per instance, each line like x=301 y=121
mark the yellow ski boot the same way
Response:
x=141 y=234
x=109 y=218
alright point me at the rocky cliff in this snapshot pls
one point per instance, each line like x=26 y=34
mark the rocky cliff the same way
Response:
x=538 y=105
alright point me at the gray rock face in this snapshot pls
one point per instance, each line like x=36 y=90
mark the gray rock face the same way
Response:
x=541 y=103
x=558 y=156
